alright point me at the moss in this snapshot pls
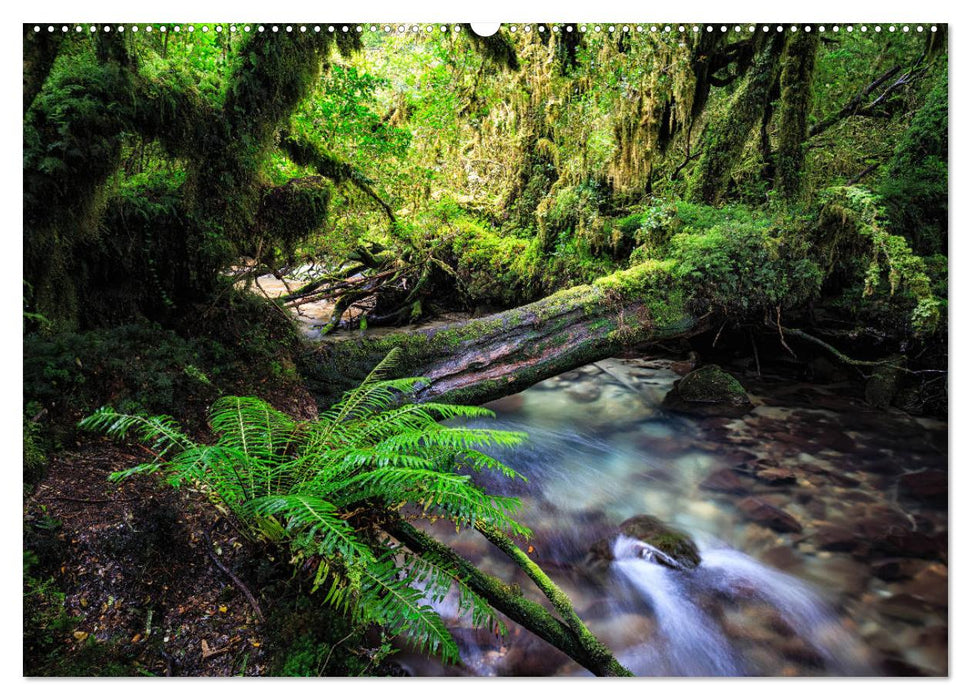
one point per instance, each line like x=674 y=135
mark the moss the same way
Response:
x=652 y=531
x=852 y=229
x=795 y=105
x=732 y=129
x=708 y=391
x=914 y=189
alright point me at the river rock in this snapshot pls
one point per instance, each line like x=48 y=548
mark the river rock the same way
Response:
x=929 y=485
x=781 y=557
x=833 y=538
x=530 y=656
x=776 y=476
x=889 y=538
x=584 y=392
x=757 y=510
x=649 y=529
x=930 y=584
x=724 y=481
x=708 y=391
x=905 y=606
x=896 y=568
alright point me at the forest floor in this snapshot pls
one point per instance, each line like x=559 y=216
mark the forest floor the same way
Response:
x=136 y=561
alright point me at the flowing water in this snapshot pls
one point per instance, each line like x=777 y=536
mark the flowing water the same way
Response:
x=841 y=570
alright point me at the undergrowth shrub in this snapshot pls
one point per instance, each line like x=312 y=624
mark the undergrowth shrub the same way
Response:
x=323 y=488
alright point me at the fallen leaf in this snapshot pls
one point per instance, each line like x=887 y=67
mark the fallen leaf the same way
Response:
x=80 y=636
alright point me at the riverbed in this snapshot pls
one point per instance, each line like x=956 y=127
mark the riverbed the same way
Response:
x=821 y=523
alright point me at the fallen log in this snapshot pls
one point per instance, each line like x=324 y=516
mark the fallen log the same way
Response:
x=486 y=358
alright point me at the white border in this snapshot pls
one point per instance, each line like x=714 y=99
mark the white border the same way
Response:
x=492 y=11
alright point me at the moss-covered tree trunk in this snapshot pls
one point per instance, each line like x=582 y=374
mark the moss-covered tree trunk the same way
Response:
x=731 y=131
x=78 y=254
x=490 y=357
x=569 y=634
x=794 y=108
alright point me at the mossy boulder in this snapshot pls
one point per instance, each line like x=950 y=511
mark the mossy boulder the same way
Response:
x=648 y=529
x=708 y=391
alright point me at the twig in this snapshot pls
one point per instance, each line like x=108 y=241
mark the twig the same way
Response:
x=755 y=353
x=92 y=500
x=235 y=579
x=859 y=176
x=782 y=339
x=331 y=651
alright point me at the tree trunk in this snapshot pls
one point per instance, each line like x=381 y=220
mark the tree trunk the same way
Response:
x=486 y=358
x=571 y=637
x=796 y=97
x=731 y=131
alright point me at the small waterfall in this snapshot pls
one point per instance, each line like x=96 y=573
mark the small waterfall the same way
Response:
x=691 y=643
x=730 y=571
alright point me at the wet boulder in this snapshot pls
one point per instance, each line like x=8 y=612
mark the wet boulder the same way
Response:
x=678 y=549
x=707 y=392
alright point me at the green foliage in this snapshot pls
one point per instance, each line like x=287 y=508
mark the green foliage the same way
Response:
x=914 y=192
x=35 y=456
x=735 y=261
x=145 y=367
x=320 y=486
x=46 y=622
x=853 y=221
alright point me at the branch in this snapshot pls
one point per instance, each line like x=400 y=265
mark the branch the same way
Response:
x=233 y=577
x=855 y=106
x=308 y=155
x=845 y=359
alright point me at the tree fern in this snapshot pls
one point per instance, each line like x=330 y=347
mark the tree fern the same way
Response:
x=321 y=487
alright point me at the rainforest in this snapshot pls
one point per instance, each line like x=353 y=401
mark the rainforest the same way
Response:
x=400 y=350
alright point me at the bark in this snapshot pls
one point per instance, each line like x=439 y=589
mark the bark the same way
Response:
x=485 y=358
x=40 y=52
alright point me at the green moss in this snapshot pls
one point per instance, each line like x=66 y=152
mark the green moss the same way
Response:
x=672 y=542
x=795 y=106
x=914 y=190
x=732 y=129
x=852 y=229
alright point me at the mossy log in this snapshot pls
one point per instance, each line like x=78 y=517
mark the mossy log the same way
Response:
x=570 y=636
x=485 y=358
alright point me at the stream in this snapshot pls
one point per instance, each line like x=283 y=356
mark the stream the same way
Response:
x=821 y=525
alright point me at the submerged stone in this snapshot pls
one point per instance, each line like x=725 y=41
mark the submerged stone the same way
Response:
x=648 y=529
x=706 y=392
x=757 y=510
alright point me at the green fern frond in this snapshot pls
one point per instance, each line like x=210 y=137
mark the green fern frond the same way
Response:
x=401 y=609
x=316 y=519
x=160 y=433
x=301 y=483
x=251 y=425
x=437 y=579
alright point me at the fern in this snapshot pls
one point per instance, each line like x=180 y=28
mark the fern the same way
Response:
x=321 y=486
